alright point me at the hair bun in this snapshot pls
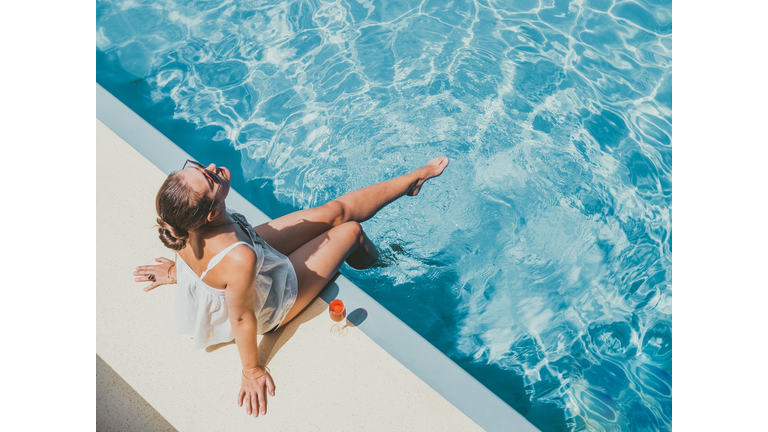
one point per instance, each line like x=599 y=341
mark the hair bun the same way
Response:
x=172 y=238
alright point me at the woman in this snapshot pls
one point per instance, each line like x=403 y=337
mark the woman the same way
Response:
x=238 y=281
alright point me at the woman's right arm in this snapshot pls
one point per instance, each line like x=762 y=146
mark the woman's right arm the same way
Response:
x=240 y=295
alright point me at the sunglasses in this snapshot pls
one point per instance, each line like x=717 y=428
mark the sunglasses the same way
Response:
x=211 y=176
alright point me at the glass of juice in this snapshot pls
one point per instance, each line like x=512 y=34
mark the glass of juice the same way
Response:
x=338 y=312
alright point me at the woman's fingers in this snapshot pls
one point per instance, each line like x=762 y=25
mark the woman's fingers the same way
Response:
x=144 y=277
x=164 y=262
x=254 y=404
x=254 y=399
x=262 y=400
x=248 y=403
x=142 y=273
x=148 y=268
x=270 y=385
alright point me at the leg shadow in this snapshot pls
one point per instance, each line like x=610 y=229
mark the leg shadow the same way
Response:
x=272 y=342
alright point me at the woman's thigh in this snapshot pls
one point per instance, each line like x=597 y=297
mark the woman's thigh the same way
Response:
x=317 y=262
x=288 y=233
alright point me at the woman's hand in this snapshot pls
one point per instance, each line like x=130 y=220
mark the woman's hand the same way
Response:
x=254 y=391
x=157 y=274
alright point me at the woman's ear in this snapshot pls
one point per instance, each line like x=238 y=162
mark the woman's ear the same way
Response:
x=213 y=214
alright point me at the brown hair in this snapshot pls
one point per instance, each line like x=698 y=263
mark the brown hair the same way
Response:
x=181 y=210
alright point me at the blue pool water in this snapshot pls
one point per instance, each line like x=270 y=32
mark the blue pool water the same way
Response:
x=541 y=260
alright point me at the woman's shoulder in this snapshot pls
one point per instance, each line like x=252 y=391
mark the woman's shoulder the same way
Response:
x=238 y=267
x=241 y=255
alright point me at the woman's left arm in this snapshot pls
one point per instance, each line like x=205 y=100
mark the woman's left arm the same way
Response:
x=240 y=295
x=164 y=273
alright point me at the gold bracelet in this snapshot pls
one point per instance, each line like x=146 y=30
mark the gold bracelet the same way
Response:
x=168 y=273
x=266 y=371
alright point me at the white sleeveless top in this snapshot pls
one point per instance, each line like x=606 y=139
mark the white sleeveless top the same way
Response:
x=201 y=310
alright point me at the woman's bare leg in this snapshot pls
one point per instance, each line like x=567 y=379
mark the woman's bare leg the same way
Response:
x=317 y=261
x=288 y=233
x=362 y=204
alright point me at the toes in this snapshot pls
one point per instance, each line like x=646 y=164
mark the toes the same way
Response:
x=440 y=165
x=438 y=161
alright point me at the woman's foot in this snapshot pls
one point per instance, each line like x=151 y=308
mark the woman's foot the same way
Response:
x=434 y=168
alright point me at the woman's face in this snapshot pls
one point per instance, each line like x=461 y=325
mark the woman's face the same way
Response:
x=202 y=183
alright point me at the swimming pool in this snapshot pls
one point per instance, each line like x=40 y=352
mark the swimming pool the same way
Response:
x=541 y=260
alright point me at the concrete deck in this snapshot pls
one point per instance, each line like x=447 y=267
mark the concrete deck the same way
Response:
x=150 y=379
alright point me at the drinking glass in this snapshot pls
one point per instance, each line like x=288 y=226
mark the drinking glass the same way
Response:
x=338 y=312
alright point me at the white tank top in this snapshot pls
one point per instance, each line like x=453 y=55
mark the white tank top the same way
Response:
x=201 y=310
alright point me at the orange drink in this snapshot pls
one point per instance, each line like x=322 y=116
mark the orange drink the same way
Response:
x=337 y=311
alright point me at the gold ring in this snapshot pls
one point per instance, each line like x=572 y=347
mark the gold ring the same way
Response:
x=151 y=278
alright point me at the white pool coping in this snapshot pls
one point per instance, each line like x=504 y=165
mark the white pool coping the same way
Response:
x=401 y=342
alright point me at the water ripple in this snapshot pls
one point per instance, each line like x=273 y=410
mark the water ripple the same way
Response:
x=544 y=252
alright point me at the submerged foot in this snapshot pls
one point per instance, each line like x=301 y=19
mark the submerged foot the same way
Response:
x=434 y=168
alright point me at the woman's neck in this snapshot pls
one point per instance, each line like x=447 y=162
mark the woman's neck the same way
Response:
x=220 y=218
x=219 y=224
x=199 y=241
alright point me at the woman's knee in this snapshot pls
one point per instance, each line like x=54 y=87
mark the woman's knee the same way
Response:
x=353 y=229
x=334 y=213
x=350 y=233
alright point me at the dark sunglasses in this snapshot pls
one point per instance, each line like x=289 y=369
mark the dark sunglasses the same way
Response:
x=212 y=176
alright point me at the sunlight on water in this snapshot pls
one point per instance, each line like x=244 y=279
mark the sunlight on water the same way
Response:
x=541 y=259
